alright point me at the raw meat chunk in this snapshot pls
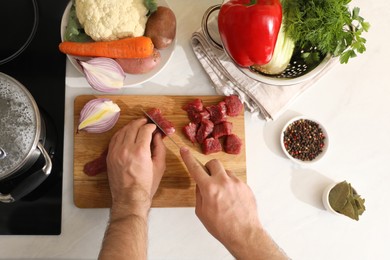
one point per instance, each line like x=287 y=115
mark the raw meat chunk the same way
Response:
x=204 y=114
x=233 y=144
x=222 y=129
x=190 y=131
x=97 y=165
x=195 y=111
x=217 y=112
x=211 y=145
x=205 y=129
x=157 y=116
x=195 y=105
x=233 y=105
x=198 y=116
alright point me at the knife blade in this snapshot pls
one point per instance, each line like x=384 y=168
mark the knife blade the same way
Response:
x=171 y=139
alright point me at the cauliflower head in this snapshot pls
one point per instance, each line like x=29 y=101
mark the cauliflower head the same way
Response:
x=106 y=20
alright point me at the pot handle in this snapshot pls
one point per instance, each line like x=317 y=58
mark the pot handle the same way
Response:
x=31 y=182
x=205 y=27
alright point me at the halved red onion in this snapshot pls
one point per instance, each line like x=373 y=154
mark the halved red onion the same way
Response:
x=98 y=115
x=103 y=74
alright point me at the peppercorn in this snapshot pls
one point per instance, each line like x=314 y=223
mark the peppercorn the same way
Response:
x=304 y=139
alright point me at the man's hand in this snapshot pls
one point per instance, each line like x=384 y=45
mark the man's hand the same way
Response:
x=225 y=205
x=135 y=164
x=227 y=208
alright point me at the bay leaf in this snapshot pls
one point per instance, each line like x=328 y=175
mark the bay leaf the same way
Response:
x=338 y=196
x=344 y=199
x=349 y=211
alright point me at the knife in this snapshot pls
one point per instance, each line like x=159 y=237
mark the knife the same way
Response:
x=159 y=127
x=171 y=139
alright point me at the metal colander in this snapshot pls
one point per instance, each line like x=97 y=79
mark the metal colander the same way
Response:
x=296 y=72
x=297 y=66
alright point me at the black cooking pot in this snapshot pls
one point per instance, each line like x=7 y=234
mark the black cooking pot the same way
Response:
x=21 y=133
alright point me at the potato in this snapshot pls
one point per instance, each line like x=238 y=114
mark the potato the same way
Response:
x=161 y=27
x=140 y=65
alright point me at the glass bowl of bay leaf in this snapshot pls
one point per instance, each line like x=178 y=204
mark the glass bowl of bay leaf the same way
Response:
x=342 y=199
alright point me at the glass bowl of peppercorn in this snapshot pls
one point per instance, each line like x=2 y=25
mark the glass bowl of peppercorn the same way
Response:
x=304 y=140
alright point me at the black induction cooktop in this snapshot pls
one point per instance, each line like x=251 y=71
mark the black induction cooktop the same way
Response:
x=30 y=34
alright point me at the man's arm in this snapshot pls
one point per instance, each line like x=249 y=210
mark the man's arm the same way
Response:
x=257 y=244
x=135 y=165
x=127 y=232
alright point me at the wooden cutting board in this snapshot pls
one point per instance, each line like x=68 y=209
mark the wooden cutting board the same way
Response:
x=177 y=189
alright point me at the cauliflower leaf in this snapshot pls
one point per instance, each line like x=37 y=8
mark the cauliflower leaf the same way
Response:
x=74 y=32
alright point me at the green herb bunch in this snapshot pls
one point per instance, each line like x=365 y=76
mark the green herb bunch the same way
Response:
x=325 y=26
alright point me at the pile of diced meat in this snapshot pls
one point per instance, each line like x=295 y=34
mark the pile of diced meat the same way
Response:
x=209 y=125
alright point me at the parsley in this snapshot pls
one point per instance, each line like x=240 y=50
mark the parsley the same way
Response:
x=327 y=25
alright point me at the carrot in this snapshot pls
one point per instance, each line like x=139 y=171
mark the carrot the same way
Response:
x=133 y=47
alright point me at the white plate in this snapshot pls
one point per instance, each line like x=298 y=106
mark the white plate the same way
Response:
x=131 y=79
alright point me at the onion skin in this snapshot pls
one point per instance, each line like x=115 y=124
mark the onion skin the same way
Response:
x=103 y=74
x=98 y=115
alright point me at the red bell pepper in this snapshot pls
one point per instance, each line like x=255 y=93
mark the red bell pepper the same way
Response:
x=249 y=30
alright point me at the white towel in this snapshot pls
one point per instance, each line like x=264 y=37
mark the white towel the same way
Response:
x=268 y=101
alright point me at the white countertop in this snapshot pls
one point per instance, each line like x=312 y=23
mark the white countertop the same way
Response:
x=352 y=101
